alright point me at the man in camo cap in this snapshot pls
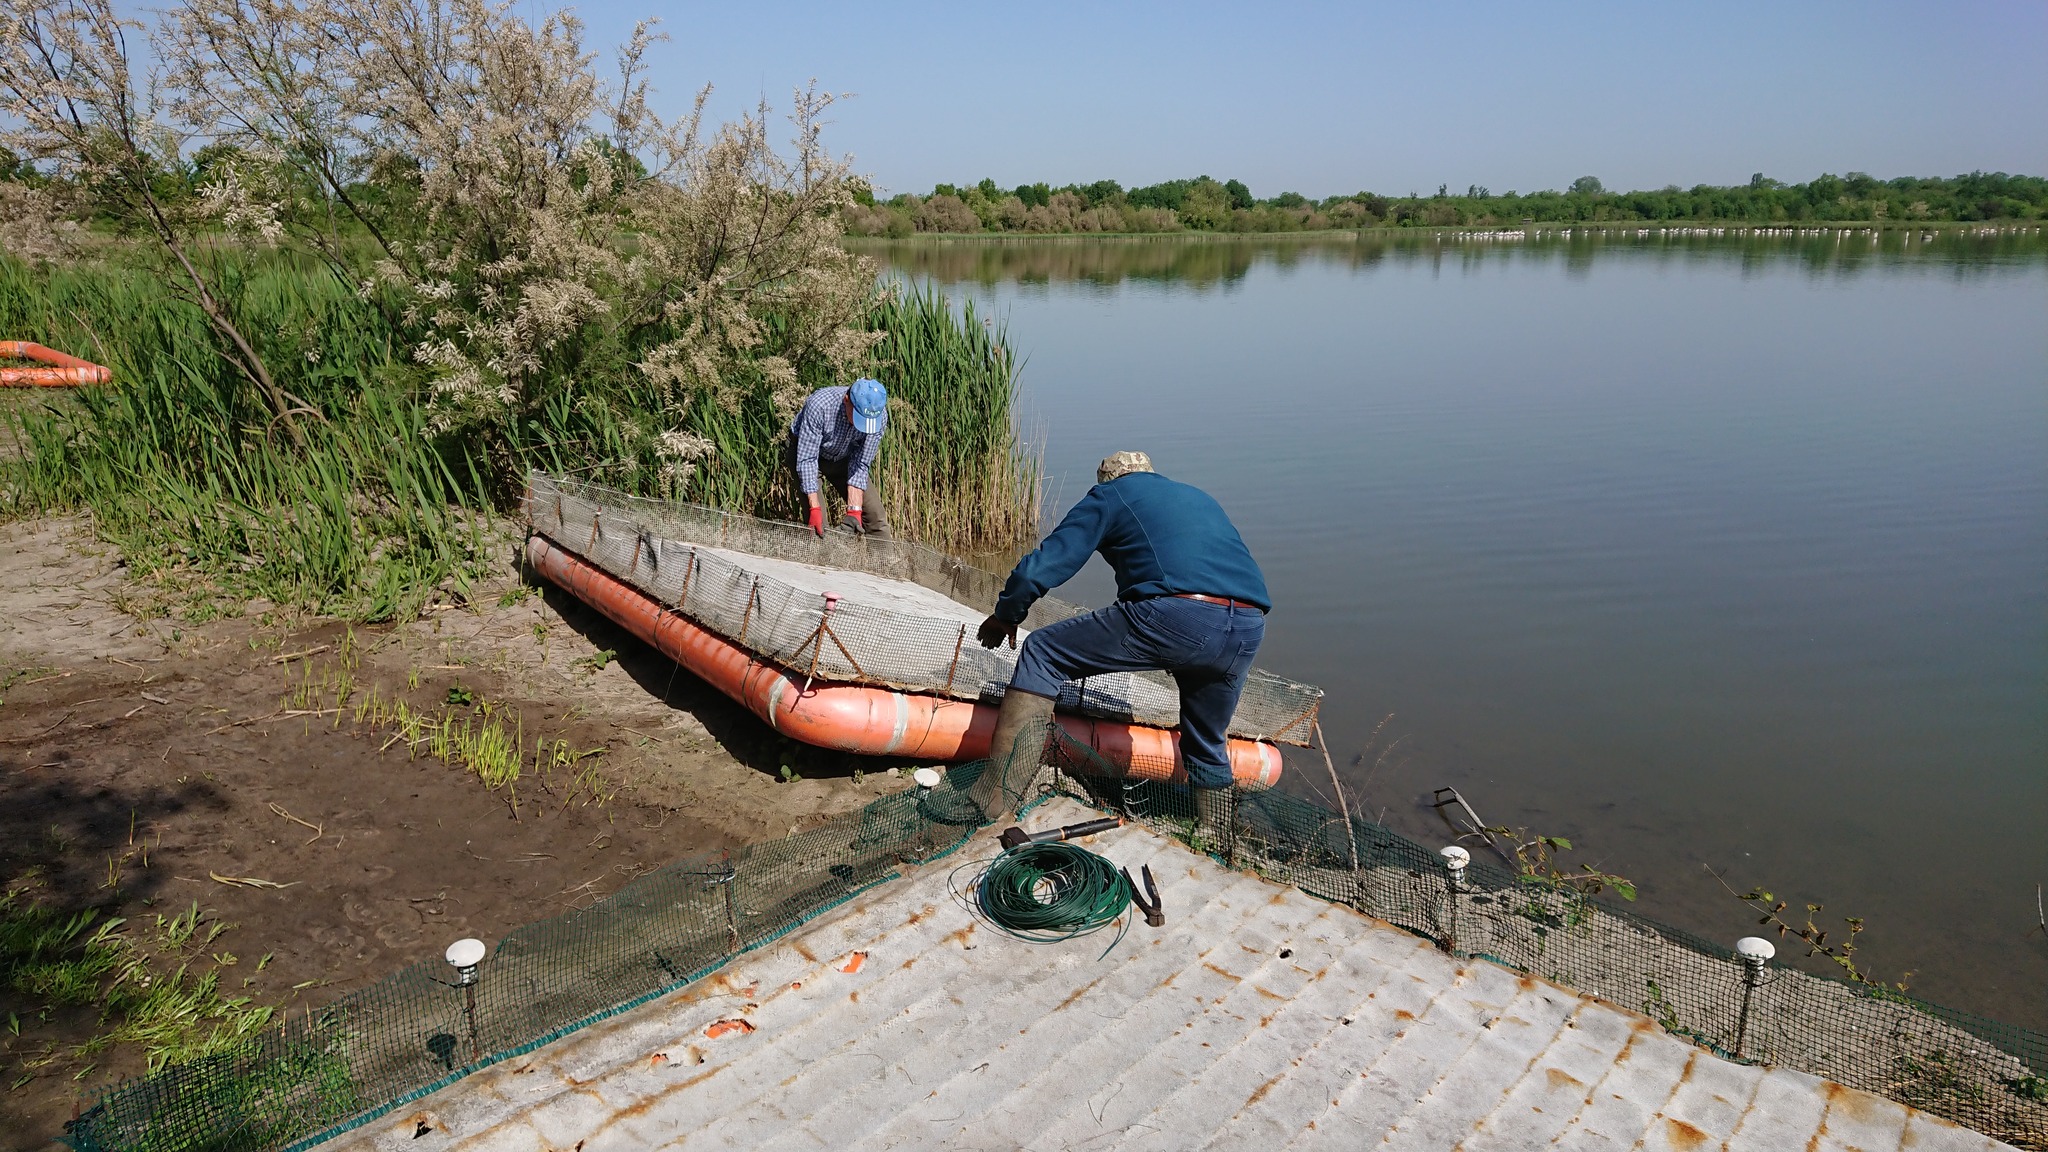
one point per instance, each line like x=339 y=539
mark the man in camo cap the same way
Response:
x=1191 y=602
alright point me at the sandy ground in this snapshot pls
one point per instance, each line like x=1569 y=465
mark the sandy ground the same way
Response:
x=146 y=763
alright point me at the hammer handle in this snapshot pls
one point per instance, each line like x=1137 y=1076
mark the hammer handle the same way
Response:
x=1076 y=831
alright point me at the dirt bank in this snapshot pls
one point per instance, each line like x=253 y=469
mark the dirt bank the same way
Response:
x=261 y=768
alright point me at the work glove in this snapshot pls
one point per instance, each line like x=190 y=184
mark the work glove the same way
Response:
x=994 y=631
x=852 y=522
x=816 y=519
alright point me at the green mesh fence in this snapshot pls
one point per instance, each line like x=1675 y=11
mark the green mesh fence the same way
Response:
x=322 y=1072
x=317 y=1073
x=1978 y=1072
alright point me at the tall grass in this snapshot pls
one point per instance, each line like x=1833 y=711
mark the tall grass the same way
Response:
x=182 y=468
x=954 y=469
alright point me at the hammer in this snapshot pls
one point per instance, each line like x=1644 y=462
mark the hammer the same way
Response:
x=1014 y=837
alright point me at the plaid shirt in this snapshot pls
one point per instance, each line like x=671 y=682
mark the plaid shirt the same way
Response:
x=822 y=432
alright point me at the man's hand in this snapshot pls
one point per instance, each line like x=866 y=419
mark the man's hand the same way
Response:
x=816 y=519
x=852 y=522
x=993 y=632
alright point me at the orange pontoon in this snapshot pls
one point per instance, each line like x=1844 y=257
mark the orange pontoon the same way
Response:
x=859 y=718
x=65 y=371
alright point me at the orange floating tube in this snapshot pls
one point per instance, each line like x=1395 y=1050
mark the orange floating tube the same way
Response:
x=858 y=718
x=65 y=370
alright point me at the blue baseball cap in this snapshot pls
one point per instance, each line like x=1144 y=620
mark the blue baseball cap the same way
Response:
x=870 y=404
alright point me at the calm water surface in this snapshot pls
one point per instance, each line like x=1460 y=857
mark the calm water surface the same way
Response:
x=1703 y=553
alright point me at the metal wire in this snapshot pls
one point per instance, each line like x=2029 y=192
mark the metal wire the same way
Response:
x=1053 y=891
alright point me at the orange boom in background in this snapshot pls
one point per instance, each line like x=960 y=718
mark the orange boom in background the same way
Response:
x=64 y=371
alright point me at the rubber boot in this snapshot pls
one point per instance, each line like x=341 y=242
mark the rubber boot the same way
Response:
x=1215 y=819
x=1015 y=753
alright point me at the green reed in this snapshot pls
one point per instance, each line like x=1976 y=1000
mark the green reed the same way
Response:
x=185 y=471
x=954 y=467
x=954 y=470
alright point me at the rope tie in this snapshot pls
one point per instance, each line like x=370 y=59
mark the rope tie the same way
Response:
x=817 y=638
x=747 y=617
x=955 y=666
x=689 y=570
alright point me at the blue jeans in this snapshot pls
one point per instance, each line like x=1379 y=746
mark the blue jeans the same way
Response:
x=1207 y=648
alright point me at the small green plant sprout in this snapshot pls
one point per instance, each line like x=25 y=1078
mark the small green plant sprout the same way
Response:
x=598 y=661
x=516 y=594
x=1842 y=952
x=460 y=697
x=178 y=930
x=790 y=775
x=1659 y=1008
x=28 y=674
x=1536 y=862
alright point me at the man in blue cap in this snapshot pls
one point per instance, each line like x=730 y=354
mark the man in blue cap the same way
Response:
x=1190 y=601
x=837 y=435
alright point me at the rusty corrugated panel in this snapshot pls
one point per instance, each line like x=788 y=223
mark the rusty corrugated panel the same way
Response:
x=1257 y=1018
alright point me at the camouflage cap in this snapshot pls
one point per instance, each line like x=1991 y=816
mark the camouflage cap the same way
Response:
x=1122 y=464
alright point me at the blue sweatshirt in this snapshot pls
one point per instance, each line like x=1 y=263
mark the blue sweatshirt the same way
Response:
x=1161 y=537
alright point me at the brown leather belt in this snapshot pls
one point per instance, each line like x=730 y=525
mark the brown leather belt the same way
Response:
x=1223 y=600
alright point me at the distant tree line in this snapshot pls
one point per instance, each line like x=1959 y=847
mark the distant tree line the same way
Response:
x=1210 y=205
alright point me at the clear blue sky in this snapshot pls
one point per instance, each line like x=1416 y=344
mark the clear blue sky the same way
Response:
x=1323 y=98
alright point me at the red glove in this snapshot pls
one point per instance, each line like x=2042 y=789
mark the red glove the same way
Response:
x=853 y=522
x=816 y=520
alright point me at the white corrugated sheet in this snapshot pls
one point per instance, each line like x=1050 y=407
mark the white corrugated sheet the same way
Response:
x=1258 y=1018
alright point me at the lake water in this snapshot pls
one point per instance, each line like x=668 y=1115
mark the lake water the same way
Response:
x=1723 y=553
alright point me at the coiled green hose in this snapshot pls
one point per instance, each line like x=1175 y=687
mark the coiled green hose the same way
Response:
x=1052 y=891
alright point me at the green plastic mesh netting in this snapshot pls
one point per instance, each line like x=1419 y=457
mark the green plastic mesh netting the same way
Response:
x=320 y=1072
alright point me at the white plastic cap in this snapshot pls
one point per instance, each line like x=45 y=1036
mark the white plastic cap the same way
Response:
x=466 y=953
x=1755 y=949
x=1456 y=857
x=927 y=777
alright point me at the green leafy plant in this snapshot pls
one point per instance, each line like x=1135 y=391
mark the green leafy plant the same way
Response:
x=2032 y=1088
x=1841 y=951
x=598 y=661
x=1536 y=862
x=1659 y=1008
x=1933 y=1079
x=459 y=697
